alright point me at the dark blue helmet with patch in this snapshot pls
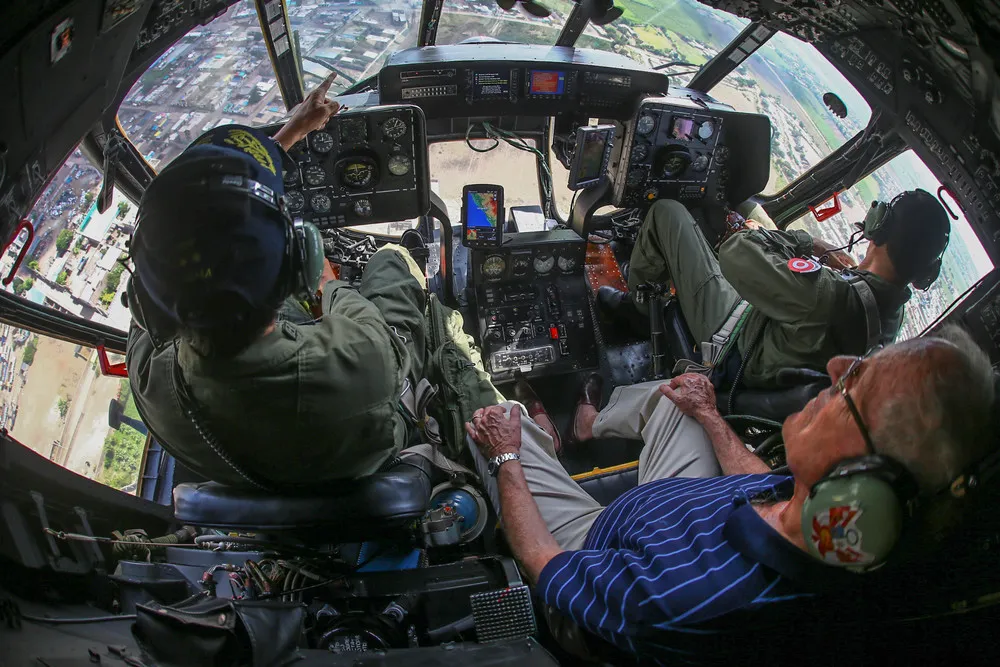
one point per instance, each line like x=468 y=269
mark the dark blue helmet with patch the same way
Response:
x=210 y=239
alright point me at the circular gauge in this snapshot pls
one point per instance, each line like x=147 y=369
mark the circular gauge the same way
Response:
x=566 y=264
x=322 y=142
x=544 y=263
x=493 y=267
x=315 y=174
x=357 y=173
x=700 y=163
x=363 y=208
x=294 y=200
x=521 y=264
x=640 y=152
x=706 y=129
x=394 y=128
x=290 y=176
x=399 y=165
x=320 y=203
x=645 y=124
x=635 y=178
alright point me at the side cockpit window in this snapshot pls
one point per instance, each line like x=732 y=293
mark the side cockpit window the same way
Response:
x=794 y=85
x=964 y=262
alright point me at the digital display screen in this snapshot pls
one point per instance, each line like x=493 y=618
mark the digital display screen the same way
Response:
x=592 y=157
x=593 y=145
x=490 y=85
x=547 y=82
x=481 y=216
x=683 y=129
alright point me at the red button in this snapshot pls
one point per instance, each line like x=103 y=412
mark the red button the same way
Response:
x=553 y=333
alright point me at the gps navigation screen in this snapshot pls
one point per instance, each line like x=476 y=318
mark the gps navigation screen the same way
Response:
x=491 y=85
x=482 y=211
x=545 y=82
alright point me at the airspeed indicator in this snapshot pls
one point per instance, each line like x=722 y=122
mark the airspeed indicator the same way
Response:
x=394 y=128
x=322 y=142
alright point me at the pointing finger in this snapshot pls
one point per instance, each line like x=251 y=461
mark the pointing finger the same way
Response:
x=324 y=87
x=667 y=391
x=470 y=430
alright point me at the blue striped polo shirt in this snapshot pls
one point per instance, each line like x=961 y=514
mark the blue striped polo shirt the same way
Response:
x=661 y=559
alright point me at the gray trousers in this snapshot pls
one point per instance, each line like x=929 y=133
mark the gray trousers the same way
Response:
x=675 y=446
x=671 y=247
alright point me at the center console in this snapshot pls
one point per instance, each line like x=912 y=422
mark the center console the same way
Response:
x=533 y=305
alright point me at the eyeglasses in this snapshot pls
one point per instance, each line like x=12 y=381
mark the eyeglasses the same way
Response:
x=852 y=370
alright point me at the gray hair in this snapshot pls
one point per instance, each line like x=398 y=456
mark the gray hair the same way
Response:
x=945 y=425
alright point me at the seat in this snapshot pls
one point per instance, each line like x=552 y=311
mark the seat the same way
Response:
x=354 y=509
x=606 y=485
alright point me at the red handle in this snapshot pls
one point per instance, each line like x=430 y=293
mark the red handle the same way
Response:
x=828 y=212
x=9 y=278
x=108 y=368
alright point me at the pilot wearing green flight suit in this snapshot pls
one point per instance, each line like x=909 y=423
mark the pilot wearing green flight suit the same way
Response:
x=800 y=314
x=248 y=387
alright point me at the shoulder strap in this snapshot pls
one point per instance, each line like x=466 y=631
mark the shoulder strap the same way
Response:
x=873 y=320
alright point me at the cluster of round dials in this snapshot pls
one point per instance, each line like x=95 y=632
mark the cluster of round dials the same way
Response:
x=358 y=172
x=647 y=123
x=495 y=266
x=673 y=163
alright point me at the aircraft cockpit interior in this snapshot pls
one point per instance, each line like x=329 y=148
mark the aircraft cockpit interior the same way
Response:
x=605 y=195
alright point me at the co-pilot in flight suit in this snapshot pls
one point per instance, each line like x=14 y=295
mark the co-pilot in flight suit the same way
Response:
x=807 y=318
x=309 y=401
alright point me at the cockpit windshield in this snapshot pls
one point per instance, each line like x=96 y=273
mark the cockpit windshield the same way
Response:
x=652 y=33
x=353 y=39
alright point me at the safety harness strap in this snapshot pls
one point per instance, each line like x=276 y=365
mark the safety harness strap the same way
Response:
x=873 y=321
x=715 y=350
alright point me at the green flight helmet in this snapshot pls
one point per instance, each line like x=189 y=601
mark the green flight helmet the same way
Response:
x=854 y=516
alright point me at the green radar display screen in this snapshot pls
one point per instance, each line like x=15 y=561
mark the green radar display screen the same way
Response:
x=482 y=216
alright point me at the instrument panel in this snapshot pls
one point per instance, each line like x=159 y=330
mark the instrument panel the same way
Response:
x=518 y=79
x=674 y=153
x=677 y=149
x=533 y=305
x=365 y=166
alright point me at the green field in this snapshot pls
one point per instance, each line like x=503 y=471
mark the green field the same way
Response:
x=678 y=16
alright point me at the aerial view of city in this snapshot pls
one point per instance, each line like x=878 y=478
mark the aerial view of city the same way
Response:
x=53 y=397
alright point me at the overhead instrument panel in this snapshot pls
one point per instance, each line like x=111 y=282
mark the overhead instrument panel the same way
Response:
x=365 y=166
x=517 y=79
x=675 y=149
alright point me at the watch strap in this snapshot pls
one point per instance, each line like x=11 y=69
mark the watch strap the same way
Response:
x=497 y=461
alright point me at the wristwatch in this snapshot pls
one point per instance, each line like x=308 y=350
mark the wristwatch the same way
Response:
x=497 y=461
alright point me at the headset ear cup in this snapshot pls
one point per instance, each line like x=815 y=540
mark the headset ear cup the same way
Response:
x=852 y=521
x=875 y=223
x=313 y=256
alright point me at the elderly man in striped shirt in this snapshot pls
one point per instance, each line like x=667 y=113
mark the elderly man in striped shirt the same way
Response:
x=687 y=546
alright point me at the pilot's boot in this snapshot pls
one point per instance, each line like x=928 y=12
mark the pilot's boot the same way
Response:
x=524 y=394
x=617 y=306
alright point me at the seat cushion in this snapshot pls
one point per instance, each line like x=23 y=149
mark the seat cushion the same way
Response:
x=606 y=486
x=379 y=501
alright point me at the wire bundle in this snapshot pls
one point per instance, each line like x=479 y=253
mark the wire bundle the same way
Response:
x=511 y=139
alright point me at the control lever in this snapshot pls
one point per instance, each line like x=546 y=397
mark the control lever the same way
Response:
x=654 y=295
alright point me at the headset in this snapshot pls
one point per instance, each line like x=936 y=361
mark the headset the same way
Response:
x=855 y=514
x=880 y=225
x=302 y=266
